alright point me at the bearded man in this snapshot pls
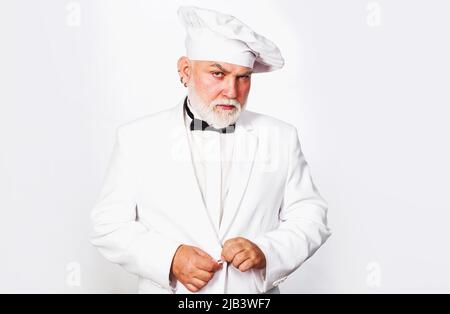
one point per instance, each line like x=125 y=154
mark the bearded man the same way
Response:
x=207 y=196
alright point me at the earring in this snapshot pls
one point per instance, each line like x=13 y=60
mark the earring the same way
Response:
x=181 y=80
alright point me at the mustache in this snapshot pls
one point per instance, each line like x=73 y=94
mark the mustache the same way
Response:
x=229 y=102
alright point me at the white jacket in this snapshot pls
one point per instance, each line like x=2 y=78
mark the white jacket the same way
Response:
x=150 y=203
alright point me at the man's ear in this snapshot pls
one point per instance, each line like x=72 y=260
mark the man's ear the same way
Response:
x=184 y=69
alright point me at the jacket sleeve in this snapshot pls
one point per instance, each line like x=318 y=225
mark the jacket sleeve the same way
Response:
x=302 y=223
x=118 y=233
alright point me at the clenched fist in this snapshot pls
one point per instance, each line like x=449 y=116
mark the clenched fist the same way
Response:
x=193 y=267
x=243 y=254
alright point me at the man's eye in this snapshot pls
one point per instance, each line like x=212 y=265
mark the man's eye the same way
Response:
x=217 y=74
x=244 y=77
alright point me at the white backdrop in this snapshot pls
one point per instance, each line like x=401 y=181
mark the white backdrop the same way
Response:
x=366 y=83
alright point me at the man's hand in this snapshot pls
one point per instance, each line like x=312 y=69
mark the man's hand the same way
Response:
x=243 y=254
x=193 y=267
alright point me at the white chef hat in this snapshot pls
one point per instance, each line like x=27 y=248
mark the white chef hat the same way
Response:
x=215 y=36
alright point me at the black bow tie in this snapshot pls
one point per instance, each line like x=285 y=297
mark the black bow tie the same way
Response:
x=200 y=125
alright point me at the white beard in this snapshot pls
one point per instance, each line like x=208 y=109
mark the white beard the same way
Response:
x=213 y=115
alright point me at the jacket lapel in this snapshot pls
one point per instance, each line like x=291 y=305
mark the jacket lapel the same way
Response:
x=186 y=179
x=245 y=146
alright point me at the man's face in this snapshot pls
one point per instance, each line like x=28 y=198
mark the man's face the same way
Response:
x=216 y=80
x=219 y=90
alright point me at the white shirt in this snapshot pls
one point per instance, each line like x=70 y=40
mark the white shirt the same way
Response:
x=212 y=155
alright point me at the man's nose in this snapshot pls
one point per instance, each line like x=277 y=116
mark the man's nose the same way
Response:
x=230 y=90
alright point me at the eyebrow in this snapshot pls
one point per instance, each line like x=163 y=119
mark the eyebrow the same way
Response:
x=228 y=72
x=245 y=73
x=220 y=67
